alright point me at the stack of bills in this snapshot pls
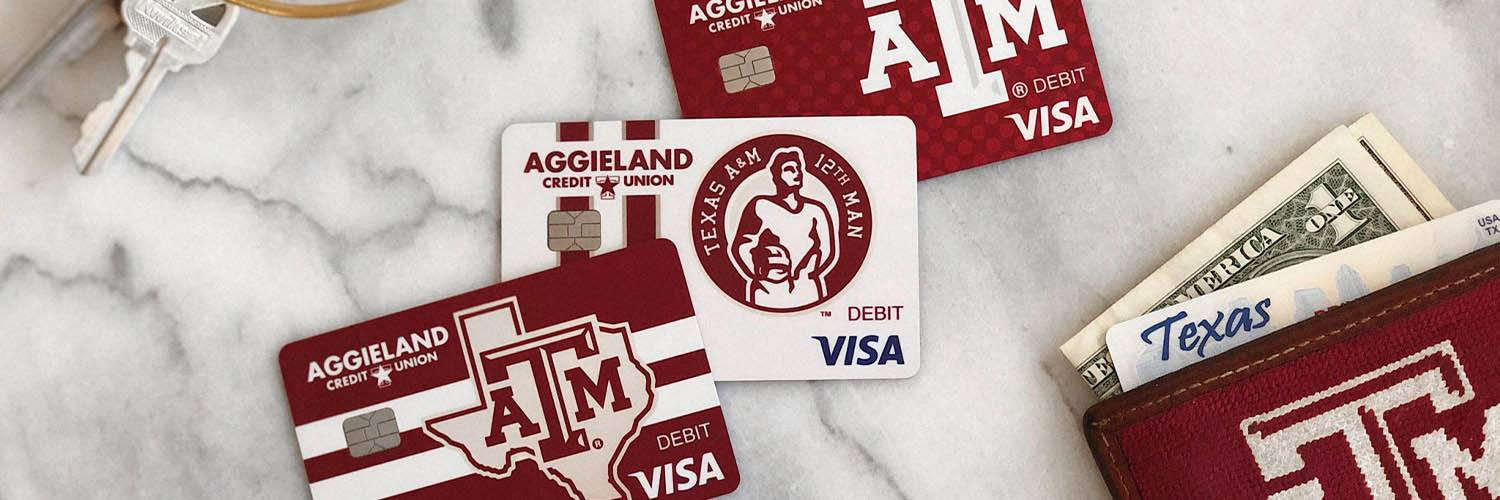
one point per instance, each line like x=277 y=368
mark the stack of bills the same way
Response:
x=1280 y=256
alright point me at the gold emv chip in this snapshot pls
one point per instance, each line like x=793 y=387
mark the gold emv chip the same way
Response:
x=573 y=230
x=747 y=69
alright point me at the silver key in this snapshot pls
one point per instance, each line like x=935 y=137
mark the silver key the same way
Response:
x=164 y=36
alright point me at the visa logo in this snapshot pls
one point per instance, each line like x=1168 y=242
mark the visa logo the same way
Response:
x=861 y=350
x=1054 y=119
x=666 y=479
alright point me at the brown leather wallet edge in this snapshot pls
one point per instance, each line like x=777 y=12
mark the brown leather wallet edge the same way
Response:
x=1103 y=421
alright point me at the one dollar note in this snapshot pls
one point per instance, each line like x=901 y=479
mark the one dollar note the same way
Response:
x=1356 y=184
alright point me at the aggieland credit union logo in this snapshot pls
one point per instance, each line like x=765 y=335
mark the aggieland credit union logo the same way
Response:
x=781 y=223
x=570 y=398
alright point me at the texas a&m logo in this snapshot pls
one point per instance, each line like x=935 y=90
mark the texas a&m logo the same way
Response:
x=570 y=397
x=781 y=223
x=1390 y=467
x=970 y=87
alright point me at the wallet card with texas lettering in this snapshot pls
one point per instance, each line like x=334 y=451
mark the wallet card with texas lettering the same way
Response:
x=798 y=235
x=586 y=382
x=1393 y=395
x=984 y=80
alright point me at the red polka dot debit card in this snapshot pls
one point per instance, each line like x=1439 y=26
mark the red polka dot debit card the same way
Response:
x=983 y=80
x=798 y=235
x=584 y=382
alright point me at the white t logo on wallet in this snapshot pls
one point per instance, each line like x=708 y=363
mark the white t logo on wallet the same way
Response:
x=1356 y=409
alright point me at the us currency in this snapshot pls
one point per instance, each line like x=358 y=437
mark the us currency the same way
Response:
x=1177 y=336
x=1355 y=173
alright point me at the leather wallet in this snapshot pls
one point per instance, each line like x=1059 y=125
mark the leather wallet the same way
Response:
x=1394 y=395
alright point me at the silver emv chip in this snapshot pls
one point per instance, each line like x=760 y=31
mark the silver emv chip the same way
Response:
x=573 y=230
x=372 y=432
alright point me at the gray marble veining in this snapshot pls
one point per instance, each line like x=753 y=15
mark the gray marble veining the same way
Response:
x=317 y=173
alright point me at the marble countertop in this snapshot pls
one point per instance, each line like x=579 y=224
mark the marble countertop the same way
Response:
x=318 y=173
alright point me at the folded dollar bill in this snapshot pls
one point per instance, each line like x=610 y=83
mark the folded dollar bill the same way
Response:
x=1360 y=170
x=1168 y=339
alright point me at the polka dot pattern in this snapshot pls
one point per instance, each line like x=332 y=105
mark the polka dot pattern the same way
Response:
x=821 y=50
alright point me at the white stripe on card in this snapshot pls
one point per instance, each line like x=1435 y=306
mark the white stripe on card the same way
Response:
x=445 y=463
x=668 y=340
x=683 y=397
x=327 y=435
x=391 y=478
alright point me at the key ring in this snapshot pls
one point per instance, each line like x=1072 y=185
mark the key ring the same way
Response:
x=306 y=11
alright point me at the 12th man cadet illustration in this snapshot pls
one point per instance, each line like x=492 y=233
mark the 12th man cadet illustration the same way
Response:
x=784 y=243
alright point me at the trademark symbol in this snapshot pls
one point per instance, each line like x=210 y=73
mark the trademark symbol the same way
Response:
x=826 y=314
x=598 y=443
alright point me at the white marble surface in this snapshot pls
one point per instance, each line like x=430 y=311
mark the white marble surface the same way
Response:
x=318 y=173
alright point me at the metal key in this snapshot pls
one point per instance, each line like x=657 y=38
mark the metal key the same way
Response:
x=164 y=36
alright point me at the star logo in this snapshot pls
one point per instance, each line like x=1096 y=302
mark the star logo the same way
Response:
x=382 y=375
x=607 y=185
x=767 y=20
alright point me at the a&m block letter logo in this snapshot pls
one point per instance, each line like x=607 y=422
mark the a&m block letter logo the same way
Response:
x=570 y=398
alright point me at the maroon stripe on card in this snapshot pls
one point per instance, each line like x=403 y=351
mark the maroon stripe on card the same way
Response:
x=518 y=486
x=574 y=131
x=449 y=368
x=667 y=371
x=640 y=130
x=640 y=219
x=570 y=257
x=572 y=204
x=680 y=421
x=679 y=368
x=525 y=482
x=657 y=294
x=318 y=399
x=341 y=462
x=689 y=435
x=642 y=286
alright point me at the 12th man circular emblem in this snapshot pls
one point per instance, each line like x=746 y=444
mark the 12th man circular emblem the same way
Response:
x=781 y=223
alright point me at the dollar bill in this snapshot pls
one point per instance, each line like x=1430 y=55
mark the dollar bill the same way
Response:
x=1174 y=337
x=1358 y=169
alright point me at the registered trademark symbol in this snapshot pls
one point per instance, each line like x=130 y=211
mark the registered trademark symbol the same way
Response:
x=598 y=443
x=1019 y=89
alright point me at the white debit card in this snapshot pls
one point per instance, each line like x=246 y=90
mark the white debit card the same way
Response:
x=798 y=235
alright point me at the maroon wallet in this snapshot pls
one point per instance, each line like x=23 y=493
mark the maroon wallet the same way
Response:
x=1394 y=395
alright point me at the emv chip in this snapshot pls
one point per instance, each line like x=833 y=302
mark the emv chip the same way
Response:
x=372 y=432
x=573 y=230
x=747 y=69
